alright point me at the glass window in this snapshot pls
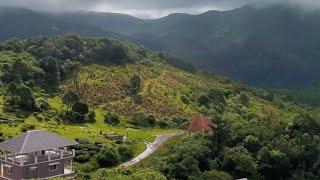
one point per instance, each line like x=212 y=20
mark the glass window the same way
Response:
x=53 y=167
x=9 y=170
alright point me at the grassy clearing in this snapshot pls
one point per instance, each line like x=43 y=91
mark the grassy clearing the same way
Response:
x=88 y=130
x=162 y=89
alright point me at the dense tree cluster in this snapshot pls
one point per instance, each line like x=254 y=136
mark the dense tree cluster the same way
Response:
x=244 y=143
x=77 y=109
x=94 y=156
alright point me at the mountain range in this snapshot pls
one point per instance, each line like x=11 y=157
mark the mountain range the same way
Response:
x=274 y=46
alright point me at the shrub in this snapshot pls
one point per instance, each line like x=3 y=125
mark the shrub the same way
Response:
x=179 y=122
x=91 y=117
x=82 y=158
x=22 y=97
x=125 y=153
x=27 y=127
x=216 y=175
x=163 y=123
x=185 y=99
x=70 y=98
x=244 y=99
x=107 y=157
x=135 y=84
x=141 y=119
x=251 y=143
x=42 y=104
x=81 y=108
x=112 y=118
x=137 y=98
x=78 y=112
x=216 y=97
x=203 y=100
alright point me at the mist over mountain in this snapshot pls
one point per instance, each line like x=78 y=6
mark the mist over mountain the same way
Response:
x=24 y=23
x=274 y=46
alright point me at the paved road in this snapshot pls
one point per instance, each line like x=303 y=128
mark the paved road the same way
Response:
x=151 y=147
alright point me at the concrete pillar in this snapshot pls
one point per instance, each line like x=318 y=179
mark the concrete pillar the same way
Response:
x=1 y=170
x=36 y=159
x=49 y=156
x=73 y=152
x=61 y=154
x=71 y=164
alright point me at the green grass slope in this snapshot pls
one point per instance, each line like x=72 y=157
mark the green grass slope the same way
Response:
x=37 y=73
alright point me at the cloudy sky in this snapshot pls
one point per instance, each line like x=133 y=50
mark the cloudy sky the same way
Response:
x=139 y=8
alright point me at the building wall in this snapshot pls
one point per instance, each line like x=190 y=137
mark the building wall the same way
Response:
x=42 y=170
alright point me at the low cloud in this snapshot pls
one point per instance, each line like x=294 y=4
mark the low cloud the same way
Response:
x=144 y=8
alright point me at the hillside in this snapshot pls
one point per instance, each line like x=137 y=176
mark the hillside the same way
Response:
x=268 y=47
x=272 y=46
x=82 y=87
x=23 y=23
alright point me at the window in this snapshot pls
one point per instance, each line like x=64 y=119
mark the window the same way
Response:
x=52 y=167
x=9 y=170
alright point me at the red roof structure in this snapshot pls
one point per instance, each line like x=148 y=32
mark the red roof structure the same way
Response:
x=201 y=124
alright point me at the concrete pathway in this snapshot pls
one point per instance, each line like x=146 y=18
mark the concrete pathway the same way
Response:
x=151 y=147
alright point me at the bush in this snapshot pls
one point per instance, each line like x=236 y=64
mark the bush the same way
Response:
x=216 y=175
x=137 y=98
x=82 y=158
x=78 y=112
x=239 y=162
x=179 y=122
x=244 y=99
x=185 y=99
x=135 y=84
x=125 y=153
x=91 y=117
x=42 y=104
x=22 y=96
x=80 y=108
x=216 y=97
x=203 y=100
x=70 y=98
x=141 y=119
x=163 y=123
x=112 y=118
x=108 y=157
x=27 y=127
x=251 y=143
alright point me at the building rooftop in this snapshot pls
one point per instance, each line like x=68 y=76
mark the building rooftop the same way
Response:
x=201 y=123
x=33 y=141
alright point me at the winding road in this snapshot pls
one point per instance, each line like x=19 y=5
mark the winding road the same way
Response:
x=151 y=147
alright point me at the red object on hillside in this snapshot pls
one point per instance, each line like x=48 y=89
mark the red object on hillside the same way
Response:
x=201 y=124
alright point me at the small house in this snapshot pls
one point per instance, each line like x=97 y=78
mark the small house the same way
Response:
x=36 y=154
x=200 y=124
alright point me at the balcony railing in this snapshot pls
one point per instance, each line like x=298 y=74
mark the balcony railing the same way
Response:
x=27 y=159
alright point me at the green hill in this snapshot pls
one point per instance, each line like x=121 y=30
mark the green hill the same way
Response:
x=272 y=46
x=23 y=23
x=84 y=88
